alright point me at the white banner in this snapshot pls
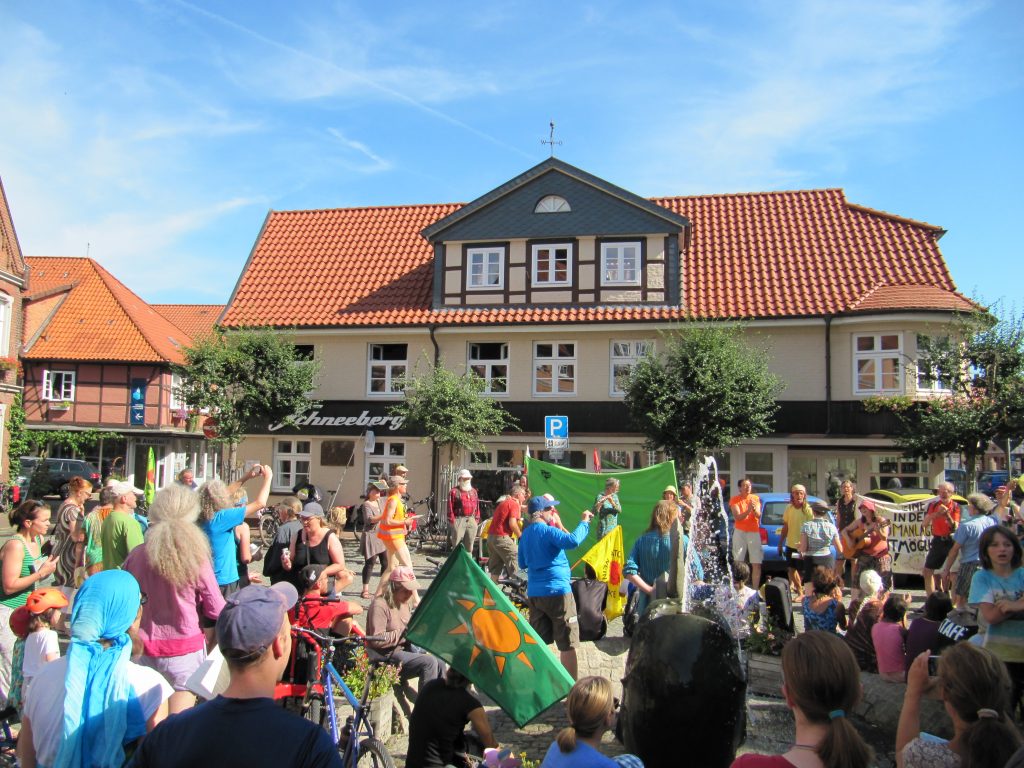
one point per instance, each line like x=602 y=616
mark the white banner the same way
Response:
x=908 y=543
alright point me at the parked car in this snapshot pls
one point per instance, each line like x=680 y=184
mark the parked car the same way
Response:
x=58 y=473
x=990 y=480
x=773 y=506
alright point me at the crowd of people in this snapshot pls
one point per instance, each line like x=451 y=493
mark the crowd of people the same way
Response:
x=145 y=599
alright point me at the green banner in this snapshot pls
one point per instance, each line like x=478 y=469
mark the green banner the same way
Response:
x=466 y=620
x=641 y=490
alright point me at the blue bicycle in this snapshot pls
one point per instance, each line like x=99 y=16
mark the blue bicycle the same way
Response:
x=315 y=697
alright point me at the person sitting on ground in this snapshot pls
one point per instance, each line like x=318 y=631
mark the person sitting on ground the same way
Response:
x=314 y=611
x=889 y=637
x=923 y=635
x=821 y=686
x=975 y=690
x=591 y=709
x=218 y=518
x=244 y=726
x=863 y=615
x=174 y=570
x=823 y=602
x=818 y=537
x=388 y=617
x=91 y=706
x=443 y=708
x=744 y=603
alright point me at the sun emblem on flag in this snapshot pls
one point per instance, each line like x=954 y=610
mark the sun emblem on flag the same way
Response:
x=494 y=630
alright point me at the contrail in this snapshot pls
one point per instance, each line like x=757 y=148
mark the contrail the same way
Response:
x=382 y=88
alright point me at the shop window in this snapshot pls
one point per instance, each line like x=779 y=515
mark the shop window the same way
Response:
x=336 y=453
x=803 y=470
x=892 y=472
x=760 y=470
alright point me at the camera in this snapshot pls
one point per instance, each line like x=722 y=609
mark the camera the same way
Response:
x=933 y=666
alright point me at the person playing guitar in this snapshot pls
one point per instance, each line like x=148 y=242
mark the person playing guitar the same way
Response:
x=866 y=544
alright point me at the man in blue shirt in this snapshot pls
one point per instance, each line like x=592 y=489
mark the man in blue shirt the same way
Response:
x=542 y=554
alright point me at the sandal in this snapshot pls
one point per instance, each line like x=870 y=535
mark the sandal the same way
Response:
x=365 y=594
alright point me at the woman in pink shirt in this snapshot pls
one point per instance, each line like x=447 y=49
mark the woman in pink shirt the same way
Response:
x=176 y=577
x=889 y=637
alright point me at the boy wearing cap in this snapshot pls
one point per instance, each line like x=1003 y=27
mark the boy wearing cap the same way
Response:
x=542 y=554
x=121 y=531
x=464 y=511
x=254 y=635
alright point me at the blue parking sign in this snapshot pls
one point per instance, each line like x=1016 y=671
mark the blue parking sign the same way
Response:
x=556 y=427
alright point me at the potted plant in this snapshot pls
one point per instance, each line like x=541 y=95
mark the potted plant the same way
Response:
x=60 y=405
x=8 y=364
x=382 y=683
x=764 y=650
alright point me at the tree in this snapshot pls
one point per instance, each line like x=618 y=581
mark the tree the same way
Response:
x=978 y=365
x=706 y=391
x=245 y=377
x=449 y=409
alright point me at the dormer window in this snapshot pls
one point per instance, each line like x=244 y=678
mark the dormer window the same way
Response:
x=552 y=204
x=485 y=268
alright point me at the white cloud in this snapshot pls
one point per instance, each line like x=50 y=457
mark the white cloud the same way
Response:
x=376 y=164
x=811 y=78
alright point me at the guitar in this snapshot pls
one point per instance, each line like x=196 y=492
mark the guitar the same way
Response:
x=863 y=537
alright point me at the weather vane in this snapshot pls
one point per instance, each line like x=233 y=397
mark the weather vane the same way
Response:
x=551 y=139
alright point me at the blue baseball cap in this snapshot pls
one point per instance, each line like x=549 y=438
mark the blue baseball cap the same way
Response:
x=252 y=618
x=540 y=503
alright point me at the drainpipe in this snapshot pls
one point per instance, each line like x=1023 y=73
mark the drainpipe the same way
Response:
x=433 y=454
x=828 y=374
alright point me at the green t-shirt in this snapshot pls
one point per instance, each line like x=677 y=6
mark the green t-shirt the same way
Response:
x=121 y=534
x=93 y=527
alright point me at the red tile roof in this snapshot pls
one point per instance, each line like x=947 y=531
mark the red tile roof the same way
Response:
x=887 y=298
x=97 y=319
x=772 y=254
x=194 y=319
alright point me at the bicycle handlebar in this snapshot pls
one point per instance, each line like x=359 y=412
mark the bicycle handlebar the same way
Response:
x=425 y=500
x=329 y=640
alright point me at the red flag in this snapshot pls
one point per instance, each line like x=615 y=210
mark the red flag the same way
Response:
x=597 y=461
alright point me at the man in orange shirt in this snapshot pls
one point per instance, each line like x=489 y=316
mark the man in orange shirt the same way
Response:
x=746 y=538
x=942 y=518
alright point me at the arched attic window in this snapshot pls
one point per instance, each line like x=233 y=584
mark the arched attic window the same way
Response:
x=552 y=204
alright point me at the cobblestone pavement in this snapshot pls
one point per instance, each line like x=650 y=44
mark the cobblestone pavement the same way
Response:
x=769 y=723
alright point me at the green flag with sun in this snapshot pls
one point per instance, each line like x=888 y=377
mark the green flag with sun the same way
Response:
x=466 y=620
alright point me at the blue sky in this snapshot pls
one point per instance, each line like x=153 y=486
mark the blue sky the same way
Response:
x=161 y=132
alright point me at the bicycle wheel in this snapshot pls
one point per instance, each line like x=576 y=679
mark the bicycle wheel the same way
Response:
x=316 y=711
x=268 y=529
x=373 y=754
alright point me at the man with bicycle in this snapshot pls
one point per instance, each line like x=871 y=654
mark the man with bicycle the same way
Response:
x=231 y=731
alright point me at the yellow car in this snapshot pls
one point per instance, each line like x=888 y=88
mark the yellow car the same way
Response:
x=906 y=508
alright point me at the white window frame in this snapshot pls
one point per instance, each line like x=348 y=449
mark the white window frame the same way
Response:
x=491 y=260
x=537 y=278
x=620 y=277
x=635 y=350
x=6 y=305
x=552 y=204
x=289 y=449
x=878 y=355
x=556 y=362
x=487 y=366
x=174 y=402
x=386 y=454
x=67 y=386
x=938 y=386
x=391 y=373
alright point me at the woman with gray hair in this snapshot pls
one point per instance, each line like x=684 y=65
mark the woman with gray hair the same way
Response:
x=218 y=518
x=966 y=540
x=175 y=573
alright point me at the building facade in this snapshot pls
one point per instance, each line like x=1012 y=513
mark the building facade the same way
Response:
x=553 y=285
x=96 y=356
x=12 y=285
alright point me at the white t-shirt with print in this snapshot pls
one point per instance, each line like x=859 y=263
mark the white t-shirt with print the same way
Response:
x=44 y=703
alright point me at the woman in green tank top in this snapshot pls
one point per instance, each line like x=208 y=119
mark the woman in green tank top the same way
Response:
x=23 y=569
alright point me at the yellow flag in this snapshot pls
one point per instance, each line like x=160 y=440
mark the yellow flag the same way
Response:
x=608 y=560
